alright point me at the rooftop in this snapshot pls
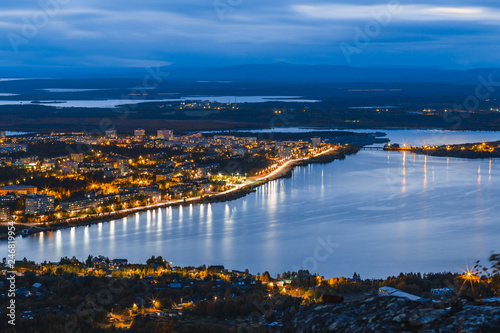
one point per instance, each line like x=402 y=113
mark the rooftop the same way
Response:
x=17 y=187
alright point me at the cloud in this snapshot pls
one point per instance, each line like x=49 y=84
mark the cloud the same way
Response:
x=398 y=12
x=124 y=33
x=125 y=62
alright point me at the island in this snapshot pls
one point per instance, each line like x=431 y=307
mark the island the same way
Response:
x=467 y=150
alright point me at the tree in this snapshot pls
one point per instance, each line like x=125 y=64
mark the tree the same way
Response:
x=265 y=277
x=495 y=267
x=65 y=261
x=156 y=260
x=493 y=272
x=88 y=262
x=303 y=274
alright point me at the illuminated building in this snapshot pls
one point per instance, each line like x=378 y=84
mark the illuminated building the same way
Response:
x=140 y=132
x=77 y=157
x=316 y=142
x=165 y=134
x=69 y=166
x=4 y=213
x=17 y=189
x=6 y=148
x=39 y=204
x=111 y=134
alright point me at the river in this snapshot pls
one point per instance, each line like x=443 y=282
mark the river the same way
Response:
x=376 y=213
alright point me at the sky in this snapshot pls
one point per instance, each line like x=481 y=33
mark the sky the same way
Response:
x=455 y=34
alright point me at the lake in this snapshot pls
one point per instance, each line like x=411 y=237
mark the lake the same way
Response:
x=376 y=213
x=113 y=103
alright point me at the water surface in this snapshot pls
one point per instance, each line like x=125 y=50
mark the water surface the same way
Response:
x=376 y=213
x=113 y=103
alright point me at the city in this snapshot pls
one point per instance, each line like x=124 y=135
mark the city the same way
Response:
x=232 y=166
x=152 y=171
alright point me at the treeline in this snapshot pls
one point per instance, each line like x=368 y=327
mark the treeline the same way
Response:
x=75 y=295
x=8 y=173
x=458 y=153
x=285 y=136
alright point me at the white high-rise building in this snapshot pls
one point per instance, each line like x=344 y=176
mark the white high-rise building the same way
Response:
x=111 y=134
x=316 y=142
x=139 y=132
x=165 y=134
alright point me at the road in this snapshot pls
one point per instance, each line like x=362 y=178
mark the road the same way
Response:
x=237 y=187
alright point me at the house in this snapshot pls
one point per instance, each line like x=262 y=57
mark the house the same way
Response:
x=99 y=262
x=389 y=291
x=23 y=291
x=238 y=273
x=174 y=284
x=38 y=288
x=442 y=291
x=118 y=262
x=240 y=282
x=216 y=268
x=283 y=282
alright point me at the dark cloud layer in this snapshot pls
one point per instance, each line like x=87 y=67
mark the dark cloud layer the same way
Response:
x=221 y=32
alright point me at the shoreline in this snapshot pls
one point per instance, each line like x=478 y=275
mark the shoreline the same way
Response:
x=486 y=150
x=284 y=171
x=260 y=129
x=345 y=129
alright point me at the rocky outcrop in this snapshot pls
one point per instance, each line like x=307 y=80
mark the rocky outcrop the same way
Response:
x=391 y=314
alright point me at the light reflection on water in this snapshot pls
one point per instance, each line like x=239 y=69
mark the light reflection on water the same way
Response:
x=387 y=211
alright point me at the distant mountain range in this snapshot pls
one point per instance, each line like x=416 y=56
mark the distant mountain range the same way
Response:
x=278 y=72
x=326 y=73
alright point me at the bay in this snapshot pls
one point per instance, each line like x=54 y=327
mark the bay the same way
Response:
x=376 y=213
